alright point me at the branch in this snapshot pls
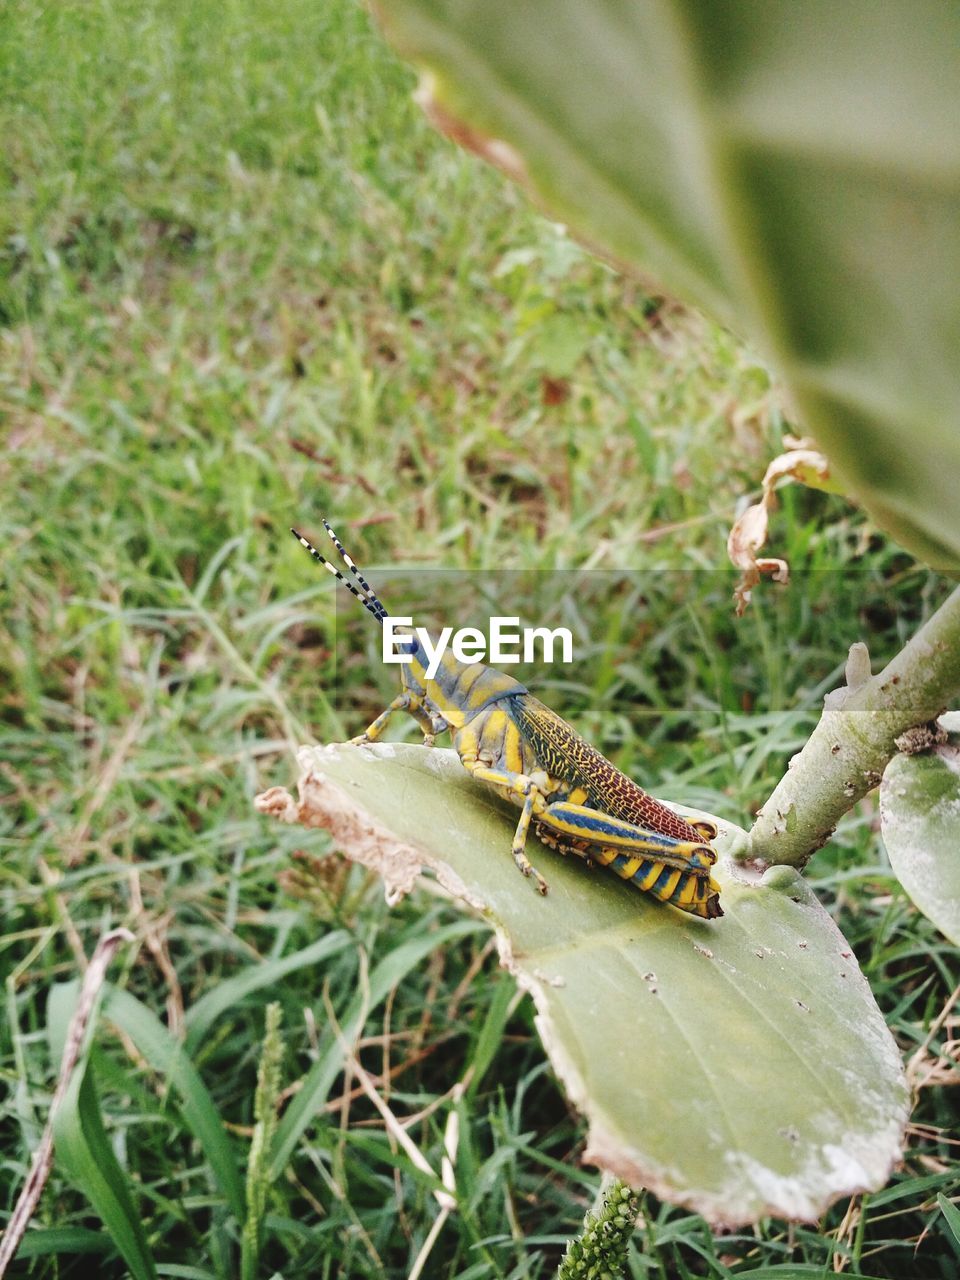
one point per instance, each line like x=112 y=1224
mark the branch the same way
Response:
x=856 y=737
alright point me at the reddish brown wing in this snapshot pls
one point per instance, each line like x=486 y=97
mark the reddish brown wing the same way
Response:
x=564 y=754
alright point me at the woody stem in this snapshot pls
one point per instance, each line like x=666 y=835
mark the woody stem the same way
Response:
x=846 y=754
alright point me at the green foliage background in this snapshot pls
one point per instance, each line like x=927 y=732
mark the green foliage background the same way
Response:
x=242 y=282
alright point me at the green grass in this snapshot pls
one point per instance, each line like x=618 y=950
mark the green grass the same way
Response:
x=242 y=285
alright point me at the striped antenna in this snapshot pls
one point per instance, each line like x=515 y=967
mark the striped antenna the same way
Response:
x=365 y=586
x=367 y=597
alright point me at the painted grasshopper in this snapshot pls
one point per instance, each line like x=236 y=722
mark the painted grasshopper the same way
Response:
x=573 y=797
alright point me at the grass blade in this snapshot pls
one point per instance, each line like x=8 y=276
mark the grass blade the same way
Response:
x=225 y=995
x=170 y=1059
x=69 y=1240
x=84 y=1152
x=319 y=1079
x=952 y=1215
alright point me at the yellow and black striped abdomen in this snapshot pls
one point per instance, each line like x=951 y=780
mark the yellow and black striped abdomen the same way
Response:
x=692 y=891
x=689 y=890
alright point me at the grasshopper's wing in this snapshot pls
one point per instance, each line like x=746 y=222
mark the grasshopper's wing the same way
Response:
x=564 y=754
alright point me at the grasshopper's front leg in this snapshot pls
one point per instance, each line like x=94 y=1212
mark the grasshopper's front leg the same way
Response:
x=373 y=731
x=430 y=724
x=520 y=840
x=518 y=784
x=405 y=701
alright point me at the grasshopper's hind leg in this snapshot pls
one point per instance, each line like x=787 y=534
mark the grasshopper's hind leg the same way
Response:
x=520 y=840
x=572 y=822
x=516 y=784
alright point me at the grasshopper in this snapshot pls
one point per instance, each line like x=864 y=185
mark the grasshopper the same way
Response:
x=574 y=798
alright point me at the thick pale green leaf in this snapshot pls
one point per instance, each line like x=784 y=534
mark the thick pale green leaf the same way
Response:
x=738 y=1066
x=920 y=824
x=792 y=166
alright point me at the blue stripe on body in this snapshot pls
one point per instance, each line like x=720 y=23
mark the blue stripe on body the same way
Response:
x=663 y=879
x=681 y=885
x=654 y=840
x=643 y=870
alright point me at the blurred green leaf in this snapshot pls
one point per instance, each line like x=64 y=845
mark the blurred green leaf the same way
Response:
x=179 y=1271
x=793 y=1271
x=169 y=1058
x=558 y=344
x=738 y=1066
x=920 y=824
x=794 y=168
x=68 y=1240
